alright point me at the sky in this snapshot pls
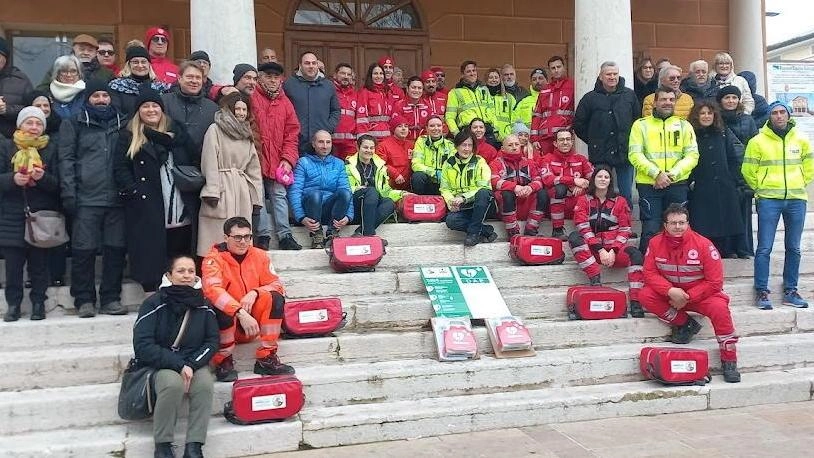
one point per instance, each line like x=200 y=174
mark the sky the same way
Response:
x=796 y=18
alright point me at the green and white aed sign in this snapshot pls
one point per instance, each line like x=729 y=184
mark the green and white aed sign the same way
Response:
x=463 y=291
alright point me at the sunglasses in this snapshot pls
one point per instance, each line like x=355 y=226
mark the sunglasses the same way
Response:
x=674 y=78
x=241 y=238
x=106 y=52
x=159 y=39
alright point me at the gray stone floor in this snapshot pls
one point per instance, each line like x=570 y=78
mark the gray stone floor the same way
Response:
x=783 y=430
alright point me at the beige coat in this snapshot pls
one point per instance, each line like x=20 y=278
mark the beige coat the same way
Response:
x=232 y=171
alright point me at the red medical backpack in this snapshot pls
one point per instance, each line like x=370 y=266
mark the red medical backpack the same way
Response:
x=423 y=208
x=356 y=254
x=264 y=399
x=313 y=317
x=595 y=303
x=536 y=251
x=675 y=365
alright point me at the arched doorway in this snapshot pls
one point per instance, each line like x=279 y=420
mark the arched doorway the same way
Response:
x=358 y=33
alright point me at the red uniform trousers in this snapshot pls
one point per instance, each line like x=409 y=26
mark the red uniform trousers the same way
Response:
x=715 y=307
x=528 y=209
x=588 y=261
x=268 y=311
x=560 y=208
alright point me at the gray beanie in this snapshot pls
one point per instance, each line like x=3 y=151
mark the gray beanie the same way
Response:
x=31 y=112
x=520 y=127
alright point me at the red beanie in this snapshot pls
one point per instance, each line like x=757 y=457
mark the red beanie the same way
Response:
x=437 y=69
x=153 y=31
x=427 y=75
x=397 y=120
x=386 y=60
x=435 y=116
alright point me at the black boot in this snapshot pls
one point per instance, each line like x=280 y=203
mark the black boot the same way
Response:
x=731 y=374
x=263 y=242
x=163 y=450
x=12 y=314
x=596 y=280
x=684 y=334
x=636 y=310
x=38 y=311
x=193 y=450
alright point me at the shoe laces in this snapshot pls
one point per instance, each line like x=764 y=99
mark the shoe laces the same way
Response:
x=763 y=296
x=793 y=293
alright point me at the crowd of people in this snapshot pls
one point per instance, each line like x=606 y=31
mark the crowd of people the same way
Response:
x=153 y=162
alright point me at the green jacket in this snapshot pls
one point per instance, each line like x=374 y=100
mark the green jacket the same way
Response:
x=662 y=145
x=525 y=108
x=778 y=168
x=381 y=180
x=429 y=156
x=465 y=104
x=464 y=177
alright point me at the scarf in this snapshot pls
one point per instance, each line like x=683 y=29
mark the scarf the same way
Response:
x=66 y=92
x=100 y=112
x=231 y=126
x=673 y=242
x=28 y=156
x=494 y=90
x=180 y=297
x=131 y=84
x=729 y=116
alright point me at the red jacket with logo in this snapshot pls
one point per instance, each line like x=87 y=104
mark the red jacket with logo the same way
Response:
x=693 y=265
x=416 y=115
x=559 y=168
x=603 y=224
x=554 y=110
x=373 y=111
x=346 y=128
x=510 y=170
x=165 y=70
x=279 y=130
x=397 y=154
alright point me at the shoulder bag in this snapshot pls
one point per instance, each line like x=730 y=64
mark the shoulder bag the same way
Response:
x=188 y=178
x=44 y=228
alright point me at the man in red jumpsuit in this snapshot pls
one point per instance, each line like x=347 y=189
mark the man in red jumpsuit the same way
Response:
x=565 y=175
x=555 y=107
x=518 y=188
x=683 y=273
x=344 y=136
x=249 y=300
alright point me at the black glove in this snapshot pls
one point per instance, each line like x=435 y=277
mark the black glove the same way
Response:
x=129 y=193
x=69 y=205
x=256 y=210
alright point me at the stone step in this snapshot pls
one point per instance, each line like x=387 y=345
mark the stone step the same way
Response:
x=355 y=424
x=95 y=405
x=26 y=369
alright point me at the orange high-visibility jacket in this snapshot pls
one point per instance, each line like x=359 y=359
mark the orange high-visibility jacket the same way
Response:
x=225 y=281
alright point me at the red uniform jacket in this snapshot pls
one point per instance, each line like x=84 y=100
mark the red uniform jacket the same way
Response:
x=554 y=110
x=397 y=154
x=560 y=168
x=693 y=265
x=165 y=70
x=603 y=224
x=396 y=91
x=225 y=281
x=510 y=170
x=416 y=115
x=279 y=130
x=373 y=110
x=437 y=103
x=486 y=151
x=346 y=129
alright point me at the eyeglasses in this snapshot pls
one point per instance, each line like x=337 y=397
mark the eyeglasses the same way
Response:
x=674 y=78
x=241 y=238
x=159 y=39
x=106 y=52
x=70 y=71
x=677 y=223
x=442 y=75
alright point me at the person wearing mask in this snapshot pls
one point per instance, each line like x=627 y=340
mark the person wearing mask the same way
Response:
x=314 y=99
x=509 y=77
x=106 y=55
x=435 y=100
x=670 y=77
x=136 y=72
x=158 y=217
x=430 y=153
x=320 y=194
x=698 y=84
x=29 y=177
x=466 y=189
x=440 y=79
x=469 y=99
x=394 y=87
x=524 y=110
x=555 y=107
x=231 y=166
x=602 y=219
x=778 y=166
x=14 y=85
x=158 y=42
x=566 y=176
x=413 y=108
x=663 y=151
x=483 y=148
x=374 y=104
x=725 y=76
x=343 y=138
x=278 y=129
x=89 y=194
x=644 y=74
x=518 y=189
x=504 y=105
x=395 y=151
x=603 y=120
x=67 y=86
x=761 y=111
x=373 y=199
x=714 y=198
x=188 y=105
x=181 y=371
x=84 y=48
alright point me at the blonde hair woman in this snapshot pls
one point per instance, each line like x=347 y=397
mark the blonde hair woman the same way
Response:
x=136 y=72
x=725 y=75
x=160 y=219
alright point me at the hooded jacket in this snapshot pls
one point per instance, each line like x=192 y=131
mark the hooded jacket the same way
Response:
x=396 y=155
x=510 y=170
x=779 y=168
x=316 y=105
x=429 y=156
x=682 y=109
x=14 y=85
x=603 y=121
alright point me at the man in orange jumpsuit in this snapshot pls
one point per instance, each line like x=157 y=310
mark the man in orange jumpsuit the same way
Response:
x=249 y=300
x=683 y=273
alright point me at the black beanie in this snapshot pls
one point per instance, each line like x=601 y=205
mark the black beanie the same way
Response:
x=95 y=85
x=136 y=51
x=726 y=90
x=3 y=47
x=240 y=70
x=148 y=94
x=200 y=55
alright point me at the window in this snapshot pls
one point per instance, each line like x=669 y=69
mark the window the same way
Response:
x=385 y=14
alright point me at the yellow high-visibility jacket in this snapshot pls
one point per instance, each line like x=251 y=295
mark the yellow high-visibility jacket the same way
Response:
x=504 y=115
x=662 y=145
x=525 y=107
x=778 y=168
x=380 y=179
x=464 y=177
x=429 y=156
x=465 y=104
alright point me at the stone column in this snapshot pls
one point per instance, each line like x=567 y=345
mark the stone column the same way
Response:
x=227 y=33
x=747 y=39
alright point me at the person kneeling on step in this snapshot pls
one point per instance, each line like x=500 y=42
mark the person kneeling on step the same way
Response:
x=603 y=228
x=373 y=198
x=565 y=175
x=518 y=186
x=239 y=280
x=683 y=273
x=466 y=190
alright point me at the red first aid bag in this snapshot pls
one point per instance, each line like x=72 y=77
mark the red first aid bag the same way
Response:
x=459 y=339
x=595 y=303
x=675 y=365
x=423 y=208
x=536 y=251
x=313 y=317
x=264 y=399
x=356 y=254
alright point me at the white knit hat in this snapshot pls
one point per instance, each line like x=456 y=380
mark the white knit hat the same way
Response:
x=31 y=112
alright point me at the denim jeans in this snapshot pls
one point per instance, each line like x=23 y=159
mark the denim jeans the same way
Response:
x=624 y=181
x=333 y=208
x=371 y=209
x=470 y=219
x=652 y=203
x=277 y=196
x=768 y=214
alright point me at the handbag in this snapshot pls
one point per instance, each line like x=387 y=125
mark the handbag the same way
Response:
x=188 y=178
x=44 y=228
x=137 y=393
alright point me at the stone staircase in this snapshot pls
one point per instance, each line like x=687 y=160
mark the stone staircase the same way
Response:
x=377 y=380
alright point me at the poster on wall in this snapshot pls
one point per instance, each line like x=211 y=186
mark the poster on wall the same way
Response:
x=793 y=84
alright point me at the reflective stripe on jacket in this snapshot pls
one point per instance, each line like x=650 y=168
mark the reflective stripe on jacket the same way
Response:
x=380 y=178
x=662 y=145
x=778 y=168
x=465 y=178
x=429 y=155
x=465 y=104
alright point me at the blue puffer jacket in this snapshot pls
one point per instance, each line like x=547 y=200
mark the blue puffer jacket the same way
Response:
x=324 y=175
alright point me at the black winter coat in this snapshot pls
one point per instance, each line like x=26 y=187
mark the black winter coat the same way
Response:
x=43 y=196
x=697 y=92
x=643 y=88
x=316 y=105
x=157 y=327
x=14 y=85
x=195 y=112
x=742 y=125
x=603 y=121
x=139 y=183
x=87 y=148
x=714 y=200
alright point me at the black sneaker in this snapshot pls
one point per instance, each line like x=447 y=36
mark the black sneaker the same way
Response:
x=113 y=308
x=731 y=374
x=596 y=280
x=288 y=243
x=491 y=237
x=225 y=371
x=633 y=235
x=271 y=365
x=472 y=239
x=193 y=450
x=684 y=334
x=263 y=242
x=86 y=310
x=636 y=310
x=559 y=233
x=164 y=450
